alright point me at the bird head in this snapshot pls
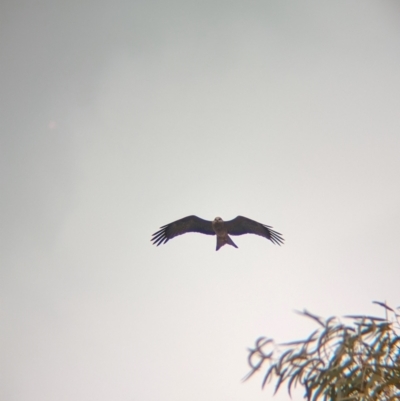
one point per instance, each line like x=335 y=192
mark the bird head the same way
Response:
x=218 y=219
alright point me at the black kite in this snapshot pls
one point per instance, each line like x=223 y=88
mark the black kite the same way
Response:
x=222 y=229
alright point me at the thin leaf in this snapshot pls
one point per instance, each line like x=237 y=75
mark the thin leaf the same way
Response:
x=364 y=317
x=310 y=315
x=383 y=305
x=266 y=377
x=280 y=381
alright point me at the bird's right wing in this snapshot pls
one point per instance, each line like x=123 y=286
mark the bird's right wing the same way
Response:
x=186 y=225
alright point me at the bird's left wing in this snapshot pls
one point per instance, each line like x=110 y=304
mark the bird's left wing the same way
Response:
x=242 y=225
x=186 y=225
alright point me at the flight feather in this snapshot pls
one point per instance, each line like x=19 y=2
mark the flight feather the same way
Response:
x=186 y=225
x=242 y=225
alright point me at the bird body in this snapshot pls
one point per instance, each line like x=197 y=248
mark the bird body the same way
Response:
x=222 y=229
x=221 y=232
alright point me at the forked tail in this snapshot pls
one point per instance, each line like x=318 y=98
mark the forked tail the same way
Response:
x=221 y=241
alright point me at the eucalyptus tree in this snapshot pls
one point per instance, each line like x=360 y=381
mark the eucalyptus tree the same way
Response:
x=356 y=358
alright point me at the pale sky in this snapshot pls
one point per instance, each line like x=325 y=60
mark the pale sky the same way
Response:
x=119 y=117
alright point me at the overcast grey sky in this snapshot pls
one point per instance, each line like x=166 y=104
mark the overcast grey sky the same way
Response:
x=119 y=117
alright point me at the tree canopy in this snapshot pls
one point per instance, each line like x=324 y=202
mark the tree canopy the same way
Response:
x=354 y=361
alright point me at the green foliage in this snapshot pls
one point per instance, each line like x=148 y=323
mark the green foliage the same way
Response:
x=359 y=361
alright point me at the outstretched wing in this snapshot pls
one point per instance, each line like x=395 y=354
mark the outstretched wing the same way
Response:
x=186 y=225
x=242 y=225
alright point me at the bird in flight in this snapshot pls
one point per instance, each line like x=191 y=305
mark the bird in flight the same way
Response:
x=222 y=229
